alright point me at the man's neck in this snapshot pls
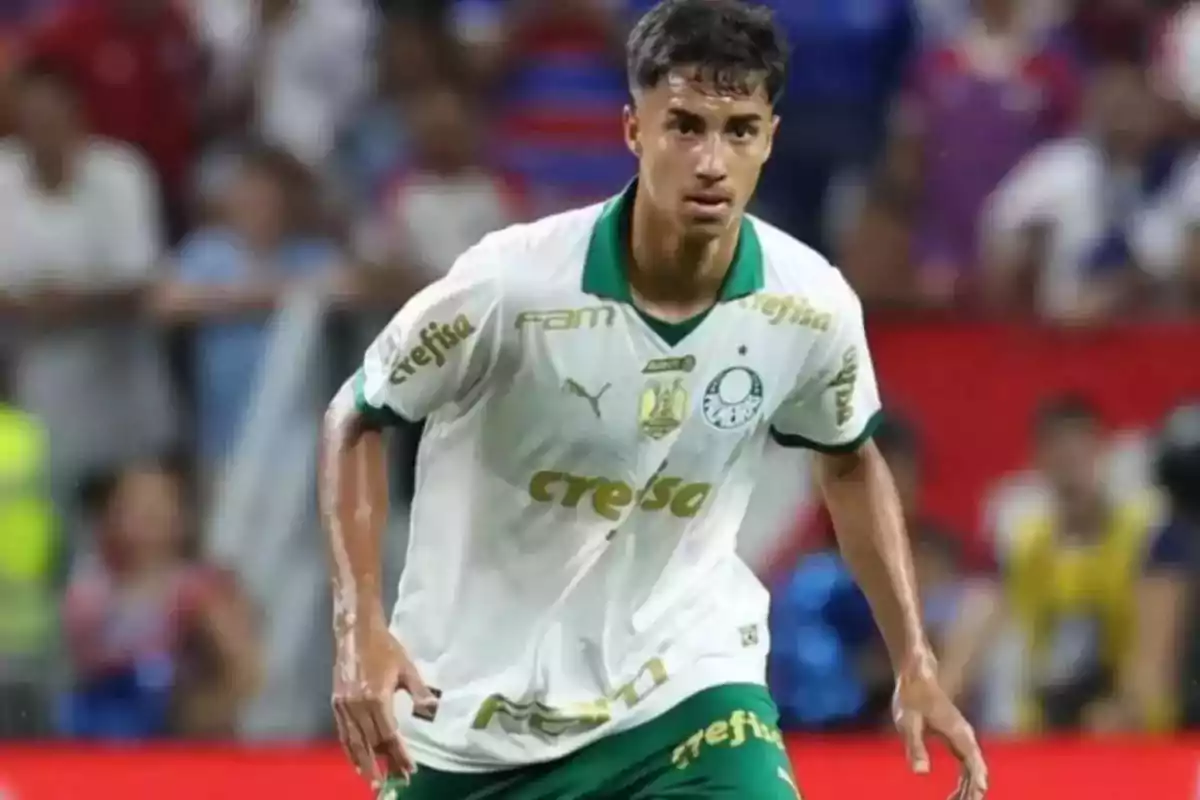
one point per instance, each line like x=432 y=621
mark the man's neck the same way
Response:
x=52 y=171
x=1083 y=518
x=669 y=274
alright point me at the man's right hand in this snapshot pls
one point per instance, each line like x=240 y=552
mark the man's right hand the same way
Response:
x=371 y=666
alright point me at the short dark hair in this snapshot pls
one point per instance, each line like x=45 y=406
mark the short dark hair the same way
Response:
x=731 y=43
x=1066 y=410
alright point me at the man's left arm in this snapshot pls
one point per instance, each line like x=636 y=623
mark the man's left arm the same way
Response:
x=834 y=413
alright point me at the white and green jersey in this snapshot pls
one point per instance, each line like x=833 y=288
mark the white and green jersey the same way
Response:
x=584 y=472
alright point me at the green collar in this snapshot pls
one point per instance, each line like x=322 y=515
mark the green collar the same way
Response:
x=605 y=267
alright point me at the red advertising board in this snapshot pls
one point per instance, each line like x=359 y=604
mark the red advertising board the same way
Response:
x=973 y=389
x=834 y=770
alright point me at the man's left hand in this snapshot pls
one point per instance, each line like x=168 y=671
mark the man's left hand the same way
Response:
x=920 y=704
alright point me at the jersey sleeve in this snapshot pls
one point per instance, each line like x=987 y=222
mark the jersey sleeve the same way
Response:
x=440 y=348
x=835 y=408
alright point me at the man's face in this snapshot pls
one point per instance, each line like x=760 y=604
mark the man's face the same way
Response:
x=46 y=116
x=701 y=149
x=1070 y=457
x=146 y=513
x=1123 y=109
x=442 y=129
x=409 y=57
x=257 y=206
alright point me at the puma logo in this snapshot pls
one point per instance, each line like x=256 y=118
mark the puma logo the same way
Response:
x=571 y=386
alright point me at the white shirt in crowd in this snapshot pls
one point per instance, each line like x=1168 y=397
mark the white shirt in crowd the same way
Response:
x=1067 y=186
x=314 y=68
x=430 y=220
x=941 y=20
x=101 y=390
x=1178 y=61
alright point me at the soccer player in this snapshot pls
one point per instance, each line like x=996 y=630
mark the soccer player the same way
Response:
x=598 y=388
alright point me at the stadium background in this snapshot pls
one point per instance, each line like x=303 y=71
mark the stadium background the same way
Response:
x=208 y=206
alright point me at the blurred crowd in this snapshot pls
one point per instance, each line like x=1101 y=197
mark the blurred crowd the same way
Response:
x=1074 y=612
x=171 y=169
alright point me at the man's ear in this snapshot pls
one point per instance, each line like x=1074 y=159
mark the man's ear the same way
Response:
x=631 y=127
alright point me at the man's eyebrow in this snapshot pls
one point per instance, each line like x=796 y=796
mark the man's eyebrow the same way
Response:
x=752 y=116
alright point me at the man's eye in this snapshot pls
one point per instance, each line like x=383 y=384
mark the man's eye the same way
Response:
x=743 y=131
x=687 y=126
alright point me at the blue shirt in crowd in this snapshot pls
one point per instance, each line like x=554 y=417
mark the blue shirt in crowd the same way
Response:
x=227 y=354
x=820 y=626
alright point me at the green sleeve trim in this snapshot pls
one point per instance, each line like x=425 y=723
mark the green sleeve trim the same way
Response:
x=792 y=440
x=374 y=416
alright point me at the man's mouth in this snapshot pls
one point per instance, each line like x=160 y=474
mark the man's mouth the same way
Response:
x=708 y=202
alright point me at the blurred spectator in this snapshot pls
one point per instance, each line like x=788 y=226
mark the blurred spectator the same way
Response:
x=294 y=70
x=28 y=551
x=1177 y=470
x=973 y=108
x=414 y=53
x=159 y=644
x=558 y=71
x=1176 y=66
x=447 y=199
x=875 y=250
x=1083 y=591
x=1080 y=223
x=944 y=20
x=827 y=669
x=229 y=279
x=1179 y=281
x=845 y=61
x=828 y=665
x=138 y=69
x=78 y=243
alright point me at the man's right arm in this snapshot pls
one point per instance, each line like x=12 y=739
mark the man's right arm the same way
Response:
x=354 y=506
x=436 y=353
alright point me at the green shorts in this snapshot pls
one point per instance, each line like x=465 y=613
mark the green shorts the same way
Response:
x=720 y=744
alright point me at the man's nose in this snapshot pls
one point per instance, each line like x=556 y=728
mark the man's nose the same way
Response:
x=712 y=165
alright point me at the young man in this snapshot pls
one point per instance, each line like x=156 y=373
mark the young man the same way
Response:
x=599 y=387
